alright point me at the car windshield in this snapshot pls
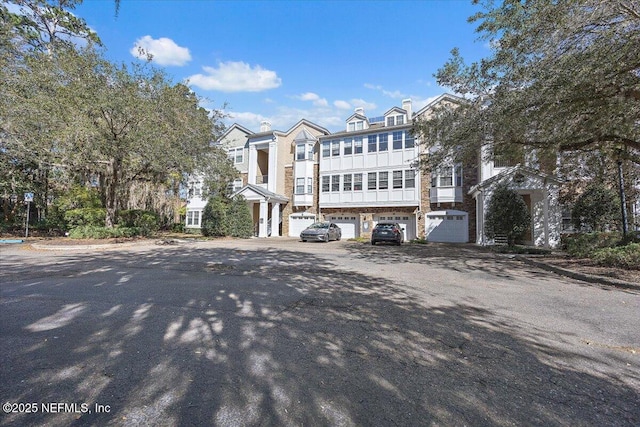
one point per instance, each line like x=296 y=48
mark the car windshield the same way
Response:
x=320 y=225
x=385 y=226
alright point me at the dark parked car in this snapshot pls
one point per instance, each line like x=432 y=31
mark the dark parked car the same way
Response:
x=322 y=232
x=387 y=232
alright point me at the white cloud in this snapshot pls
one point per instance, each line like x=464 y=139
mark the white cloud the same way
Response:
x=315 y=98
x=357 y=102
x=164 y=50
x=343 y=105
x=236 y=77
x=396 y=94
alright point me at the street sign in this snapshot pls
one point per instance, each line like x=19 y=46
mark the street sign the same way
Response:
x=28 y=197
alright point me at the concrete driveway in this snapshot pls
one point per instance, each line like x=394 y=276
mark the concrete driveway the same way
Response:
x=280 y=332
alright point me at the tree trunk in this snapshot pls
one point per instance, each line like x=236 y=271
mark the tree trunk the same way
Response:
x=112 y=178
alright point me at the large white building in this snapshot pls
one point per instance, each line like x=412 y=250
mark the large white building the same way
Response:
x=369 y=172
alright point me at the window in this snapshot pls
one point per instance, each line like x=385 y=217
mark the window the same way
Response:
x=348 y=146
x=446 y=176
x=237 y=185
x=399 y=120
x=372 y=144
x=357 y=182
x=299 y=185
x=197 y=188
x=346 y=182
x=335 y=182
x=326 y=151
x=372 y=180
x=300 y=152
x=409 y=178
x=325 y=184
x=390 y=121
x=434 y=179
x=236 y=155
x=193 y=218
x=383 y=141
x=397 y=140
x=335 y=148
x=359 y=125
x=309 y=185
x=409 y=141
x=351 y=126
x=357 y=148
x=397 y=179
x=383 y=180
x=309 y=151
x=458 y=173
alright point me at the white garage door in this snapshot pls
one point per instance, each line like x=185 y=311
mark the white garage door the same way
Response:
x=407 y=223
x=447 y=226
x=347 y=223
x=298 y=222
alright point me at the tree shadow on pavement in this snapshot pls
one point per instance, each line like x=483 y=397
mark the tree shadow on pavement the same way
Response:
x=187 y=336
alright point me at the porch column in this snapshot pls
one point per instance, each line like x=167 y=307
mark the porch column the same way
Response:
x=264 y=219
x=275 y=220
x=253 y=165
x=273 y=166
x=545 y=214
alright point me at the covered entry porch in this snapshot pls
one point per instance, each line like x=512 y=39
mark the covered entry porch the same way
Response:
x=266 y=209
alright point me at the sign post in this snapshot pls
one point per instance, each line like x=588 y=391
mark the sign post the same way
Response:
x=28 y=198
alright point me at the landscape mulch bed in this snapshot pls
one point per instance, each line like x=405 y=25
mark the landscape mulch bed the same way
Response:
x=587 y=266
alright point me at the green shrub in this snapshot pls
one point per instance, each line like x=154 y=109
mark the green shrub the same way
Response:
x=100 y=232
x=178 y=227
x=214 y=218
x=147 y=221
x=85 y=216
x=240 y=219
x=596 y=209
x=582 y=245
x=507 y=215
x=622 y=256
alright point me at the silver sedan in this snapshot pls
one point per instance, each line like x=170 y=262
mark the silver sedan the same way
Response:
x=321 y=232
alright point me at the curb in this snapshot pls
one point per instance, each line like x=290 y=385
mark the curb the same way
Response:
x=79 y=247
x=600 y=280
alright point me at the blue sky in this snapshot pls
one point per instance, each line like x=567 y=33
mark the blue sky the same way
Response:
x=286 y=60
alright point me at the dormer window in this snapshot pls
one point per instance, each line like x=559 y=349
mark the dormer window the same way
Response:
x=354 y=126
x=395 y=120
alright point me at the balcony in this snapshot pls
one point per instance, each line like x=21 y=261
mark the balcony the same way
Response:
x=446 y=195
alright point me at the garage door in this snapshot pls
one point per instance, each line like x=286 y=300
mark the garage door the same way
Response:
x=407 y=223
x=298 y=222
x=347 y=223
x=447 y=226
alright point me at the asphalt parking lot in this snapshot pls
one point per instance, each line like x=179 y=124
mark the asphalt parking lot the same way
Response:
x=279 y=332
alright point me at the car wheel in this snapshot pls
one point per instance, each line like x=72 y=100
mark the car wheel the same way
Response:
x=303 y=240
x=373 y=243
x=326 y=238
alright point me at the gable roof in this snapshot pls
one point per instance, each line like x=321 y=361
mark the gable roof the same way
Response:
x=260 y=191
x=232 y=127
x=512 y=171
x=395 y=109
x=357 y=116
x=444 y=97
x=308 y=124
